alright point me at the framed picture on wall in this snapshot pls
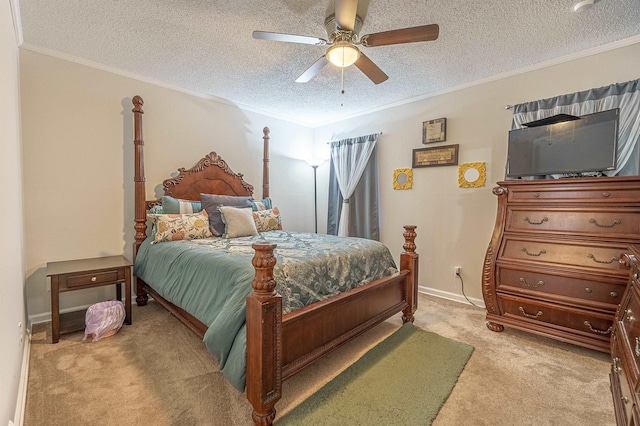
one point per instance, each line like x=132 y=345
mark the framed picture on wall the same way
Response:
x=436 y=156
x=434 y=130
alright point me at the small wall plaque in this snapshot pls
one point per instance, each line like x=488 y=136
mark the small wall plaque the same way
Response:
x=434 y=130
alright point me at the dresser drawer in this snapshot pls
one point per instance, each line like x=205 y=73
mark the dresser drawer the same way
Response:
x=628 y=323
x=91 y=279
x=621 y=388
x=594 y=324
x=579 y=254
x=598 y=292
x=615 y=223
x=601 y=190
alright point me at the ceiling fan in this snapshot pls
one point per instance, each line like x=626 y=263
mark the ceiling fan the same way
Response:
x=343 y=30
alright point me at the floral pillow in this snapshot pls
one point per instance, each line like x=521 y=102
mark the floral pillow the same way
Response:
x=173 y=227
x=267 y=220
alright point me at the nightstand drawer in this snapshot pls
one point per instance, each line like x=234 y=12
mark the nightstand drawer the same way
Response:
x=72 y=281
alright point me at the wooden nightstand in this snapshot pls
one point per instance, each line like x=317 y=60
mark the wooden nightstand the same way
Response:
x=87 y=273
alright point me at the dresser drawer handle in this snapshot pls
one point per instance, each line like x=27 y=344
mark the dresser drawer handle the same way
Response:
x=544 y=219
x=616 y=367
x=524 y=249
x=592 y=257
x=628 y=315
x=637 y=346
x=625 y=399
x=613 y=294
x=615 y=222
x=529 y=315
x=536 y=285
x=606 y=194
x=94 y=279
x=607 y=331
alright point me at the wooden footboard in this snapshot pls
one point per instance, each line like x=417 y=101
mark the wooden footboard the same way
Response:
x=278 y=346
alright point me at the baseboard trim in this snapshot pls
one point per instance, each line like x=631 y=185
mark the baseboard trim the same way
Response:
x=451 y=296
x=18 y=417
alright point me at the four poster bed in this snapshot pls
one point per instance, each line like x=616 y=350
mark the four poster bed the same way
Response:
x=278 y=343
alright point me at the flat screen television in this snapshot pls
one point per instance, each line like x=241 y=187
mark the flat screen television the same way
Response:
x=575 y=146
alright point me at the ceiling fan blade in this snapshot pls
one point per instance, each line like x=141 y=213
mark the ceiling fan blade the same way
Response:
x=370 y=69
x=404 y=35
x=345 y=12
x=313 y=70
x=289 y=38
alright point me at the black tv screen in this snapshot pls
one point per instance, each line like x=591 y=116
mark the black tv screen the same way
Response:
x=583 y=144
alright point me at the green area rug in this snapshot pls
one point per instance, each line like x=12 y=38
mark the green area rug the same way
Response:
x=404 y=380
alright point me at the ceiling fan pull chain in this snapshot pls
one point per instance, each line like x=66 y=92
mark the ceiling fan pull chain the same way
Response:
x=342 y=87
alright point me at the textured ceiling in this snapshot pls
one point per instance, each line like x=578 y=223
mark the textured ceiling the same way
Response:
x=206 y=46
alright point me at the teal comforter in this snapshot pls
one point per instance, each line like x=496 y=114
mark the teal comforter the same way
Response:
x=211 y=278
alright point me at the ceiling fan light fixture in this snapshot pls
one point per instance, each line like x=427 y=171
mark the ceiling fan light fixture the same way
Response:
x=343 y=54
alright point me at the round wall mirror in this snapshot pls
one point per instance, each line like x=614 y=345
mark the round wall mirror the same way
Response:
x=471 y=175
x=402 y=179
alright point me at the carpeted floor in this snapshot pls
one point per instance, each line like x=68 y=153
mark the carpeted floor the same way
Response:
x=156 y=372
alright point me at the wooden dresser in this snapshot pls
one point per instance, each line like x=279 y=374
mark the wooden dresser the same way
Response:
x=552 y=266
x=625 y=346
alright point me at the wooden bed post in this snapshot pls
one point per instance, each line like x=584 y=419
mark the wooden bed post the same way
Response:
x=409 y=261
x=140 y=217
x=265 y=163
x=264 y=338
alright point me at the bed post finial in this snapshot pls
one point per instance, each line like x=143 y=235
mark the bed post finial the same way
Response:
x=265 y=163
x=138 y=103
x=409 y=261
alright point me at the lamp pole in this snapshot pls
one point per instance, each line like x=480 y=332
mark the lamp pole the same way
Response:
x=315 y=194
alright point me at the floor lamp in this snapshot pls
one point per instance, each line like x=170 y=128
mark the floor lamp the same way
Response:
x=315 y=163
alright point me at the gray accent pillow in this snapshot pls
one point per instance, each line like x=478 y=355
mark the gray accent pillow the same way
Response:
x=211 y=202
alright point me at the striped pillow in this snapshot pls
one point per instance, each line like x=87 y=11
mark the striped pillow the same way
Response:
x=172 y=205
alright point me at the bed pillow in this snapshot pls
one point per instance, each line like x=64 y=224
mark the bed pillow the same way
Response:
x=211 y=202
x=264 y=204
x=172 y=205
x=238 y=221
x=267 y=220
x=173 y=227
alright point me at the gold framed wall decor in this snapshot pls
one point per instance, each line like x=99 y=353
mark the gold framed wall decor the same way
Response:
x=402 y=179
x=472 y=175
x=437 y=156
x=434 y=130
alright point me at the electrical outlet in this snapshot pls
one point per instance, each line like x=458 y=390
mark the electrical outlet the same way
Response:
x=457 y=270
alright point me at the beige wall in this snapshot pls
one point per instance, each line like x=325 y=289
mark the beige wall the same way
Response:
x=12 y=306
x=455 y=224
x=78 y=162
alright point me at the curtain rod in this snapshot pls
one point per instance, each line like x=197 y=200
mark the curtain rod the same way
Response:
x=379 y=133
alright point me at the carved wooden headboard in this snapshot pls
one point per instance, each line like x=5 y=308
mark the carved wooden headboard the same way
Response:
x=210 y=175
